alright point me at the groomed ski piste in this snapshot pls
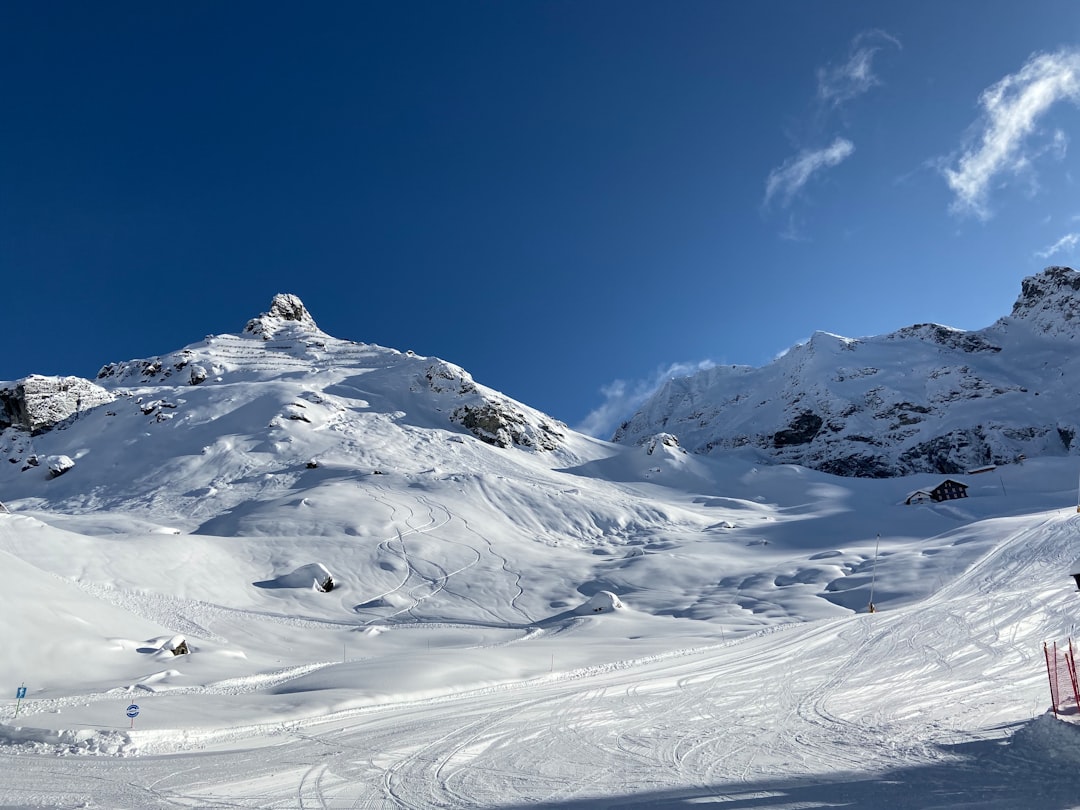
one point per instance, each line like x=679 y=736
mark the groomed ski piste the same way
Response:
x=381 y=609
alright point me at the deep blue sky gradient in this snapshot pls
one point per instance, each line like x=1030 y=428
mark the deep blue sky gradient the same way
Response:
x=553 y=195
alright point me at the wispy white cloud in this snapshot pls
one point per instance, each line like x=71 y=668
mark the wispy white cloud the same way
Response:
x=788 y=179
x=622 y=398
x=1012 y=109
x=838 y=84
x=1067 y=242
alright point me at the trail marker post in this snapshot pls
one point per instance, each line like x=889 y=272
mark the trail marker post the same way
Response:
x=873 y=575
x=20 y=693
x=133 y=712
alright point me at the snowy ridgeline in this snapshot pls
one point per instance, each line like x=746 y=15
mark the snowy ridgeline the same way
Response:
x=926 y=398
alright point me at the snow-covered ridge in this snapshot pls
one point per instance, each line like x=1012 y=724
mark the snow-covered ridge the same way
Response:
x=283 y=343
x=277 y=397
x=926 y=398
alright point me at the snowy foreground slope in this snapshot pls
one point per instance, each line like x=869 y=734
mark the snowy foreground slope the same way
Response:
x=546 y=621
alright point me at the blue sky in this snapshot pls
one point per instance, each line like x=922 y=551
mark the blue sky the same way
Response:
x=571 y=200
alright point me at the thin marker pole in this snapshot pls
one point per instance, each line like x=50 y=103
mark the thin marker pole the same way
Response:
x=873 y=570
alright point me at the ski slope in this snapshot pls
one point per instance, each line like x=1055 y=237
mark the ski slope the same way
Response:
x=938 y=700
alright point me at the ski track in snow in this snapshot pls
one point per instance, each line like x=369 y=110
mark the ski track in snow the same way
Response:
x=715 y=722
x=880 y=708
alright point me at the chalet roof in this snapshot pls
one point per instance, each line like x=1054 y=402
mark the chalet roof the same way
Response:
x=951 y=481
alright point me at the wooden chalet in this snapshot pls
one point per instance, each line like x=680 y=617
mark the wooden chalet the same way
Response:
x=947 y=490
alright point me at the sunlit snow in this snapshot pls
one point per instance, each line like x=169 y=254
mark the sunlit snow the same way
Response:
x=381 y=609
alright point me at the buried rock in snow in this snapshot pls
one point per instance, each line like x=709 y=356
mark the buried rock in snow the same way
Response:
x=315 y=576
x=58 y=465
x=177 y=645
x=600 y=602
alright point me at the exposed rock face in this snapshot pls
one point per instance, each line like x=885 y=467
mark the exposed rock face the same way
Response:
x=1050 y=302
x=926 y=398
x=498 y=423
x=37 y=403
x=802 y=430
x=661 y=440
x=489 y=417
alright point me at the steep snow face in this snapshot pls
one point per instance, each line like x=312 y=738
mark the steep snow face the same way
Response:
x=926 y=398
x=274 y=398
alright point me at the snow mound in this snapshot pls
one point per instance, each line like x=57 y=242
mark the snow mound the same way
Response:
x=600 y=602
x=68 y=741
x=314 y=575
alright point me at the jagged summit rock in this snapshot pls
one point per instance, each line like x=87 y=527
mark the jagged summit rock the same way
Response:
x=1050 y=301
x=285 y=307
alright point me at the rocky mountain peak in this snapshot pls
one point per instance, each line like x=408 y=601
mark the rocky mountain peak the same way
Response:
x=1050 y=301
x=285 y=307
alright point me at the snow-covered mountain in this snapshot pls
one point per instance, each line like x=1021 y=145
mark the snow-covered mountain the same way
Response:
x=281 y=398
x=926 y=398
x=296 y=570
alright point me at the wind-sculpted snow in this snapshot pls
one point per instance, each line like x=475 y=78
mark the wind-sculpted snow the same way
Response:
x=926 y=398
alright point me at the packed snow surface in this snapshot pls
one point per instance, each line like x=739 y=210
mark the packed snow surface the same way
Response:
x=586 y=626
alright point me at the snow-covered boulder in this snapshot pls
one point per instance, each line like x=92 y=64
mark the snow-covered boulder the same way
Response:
x=600 y=602
x=315 y=576
x=177 y=645
x=58 y=465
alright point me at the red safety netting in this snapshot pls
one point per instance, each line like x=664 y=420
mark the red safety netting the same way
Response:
x=1061 y=669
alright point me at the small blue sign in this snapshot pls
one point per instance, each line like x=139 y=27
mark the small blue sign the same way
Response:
x=133 y=711
x=20 y=693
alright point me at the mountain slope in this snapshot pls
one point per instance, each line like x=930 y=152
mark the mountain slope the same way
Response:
x=272 y=403
x=926 y=398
